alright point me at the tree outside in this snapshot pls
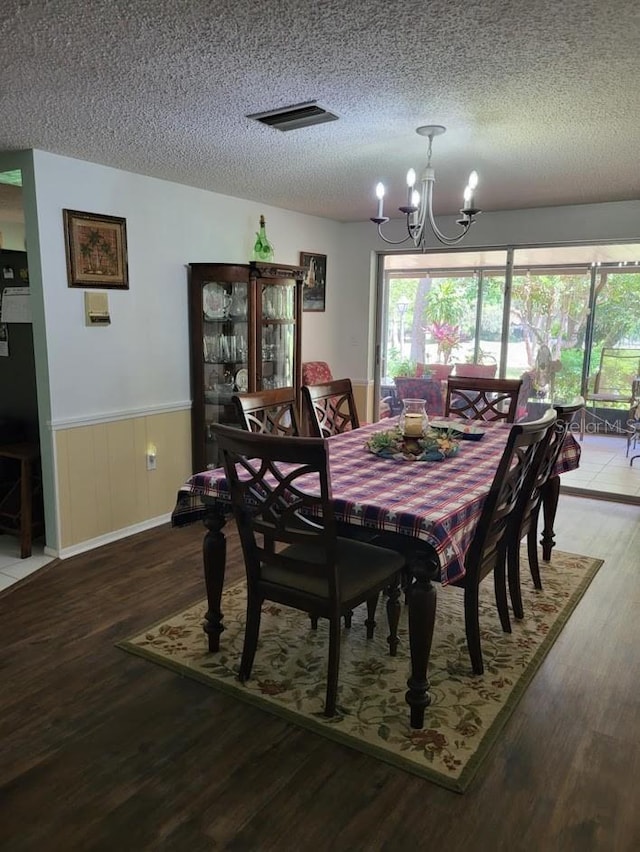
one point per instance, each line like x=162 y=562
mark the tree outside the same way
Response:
x=547 y=328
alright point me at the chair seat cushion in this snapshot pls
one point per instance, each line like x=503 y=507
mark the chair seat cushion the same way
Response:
x=360 y=565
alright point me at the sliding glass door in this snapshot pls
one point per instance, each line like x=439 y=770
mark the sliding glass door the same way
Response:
x=542 y=314
x=445 y=314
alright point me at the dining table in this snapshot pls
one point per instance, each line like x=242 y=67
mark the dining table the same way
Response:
x=434 y=506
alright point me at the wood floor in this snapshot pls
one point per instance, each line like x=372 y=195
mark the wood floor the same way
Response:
x=100 y=750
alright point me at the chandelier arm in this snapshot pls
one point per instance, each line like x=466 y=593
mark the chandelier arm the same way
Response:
x=392 y=242
x=450 y=241
x=416 y=230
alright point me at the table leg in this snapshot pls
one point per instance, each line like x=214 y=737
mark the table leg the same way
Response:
x=422 y=613
x=214 y=557
x=550 y=494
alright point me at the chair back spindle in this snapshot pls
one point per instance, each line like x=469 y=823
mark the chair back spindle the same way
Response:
x=272 y=412
x=482 y=399
x=330 y=408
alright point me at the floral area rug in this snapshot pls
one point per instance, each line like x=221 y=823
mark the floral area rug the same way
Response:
x=466 y=713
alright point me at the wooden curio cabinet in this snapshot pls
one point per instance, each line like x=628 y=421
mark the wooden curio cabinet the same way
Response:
x=244 y=324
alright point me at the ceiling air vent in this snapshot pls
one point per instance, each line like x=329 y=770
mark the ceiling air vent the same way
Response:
x=294 y=117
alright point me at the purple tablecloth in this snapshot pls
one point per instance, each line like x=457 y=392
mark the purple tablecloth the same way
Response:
x=436 y=502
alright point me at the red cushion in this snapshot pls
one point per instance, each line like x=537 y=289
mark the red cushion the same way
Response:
x=438 y=372
x=476 y=371
x=316 y=373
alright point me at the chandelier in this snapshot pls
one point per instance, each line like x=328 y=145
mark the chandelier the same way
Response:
x=419 y=207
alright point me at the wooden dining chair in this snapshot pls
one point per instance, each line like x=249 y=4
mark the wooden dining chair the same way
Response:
x=281 y=497
x=268 y=411
x=487 y=551
x=482 y=399
x=330 y=408
x=527 y=513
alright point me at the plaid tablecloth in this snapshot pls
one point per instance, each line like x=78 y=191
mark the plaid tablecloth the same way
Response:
x=436 y=502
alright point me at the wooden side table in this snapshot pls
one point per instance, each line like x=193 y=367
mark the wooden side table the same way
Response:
x=16 y=515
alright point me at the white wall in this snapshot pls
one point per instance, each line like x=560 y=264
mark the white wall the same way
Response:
x=141 y=360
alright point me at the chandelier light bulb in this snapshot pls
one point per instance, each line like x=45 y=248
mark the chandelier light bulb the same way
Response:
x=468 y=193
x=380 y=196
x=411 y=180
x=415 y=198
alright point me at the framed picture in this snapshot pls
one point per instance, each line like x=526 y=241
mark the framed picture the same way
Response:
x=96 y=248
x=315 y=281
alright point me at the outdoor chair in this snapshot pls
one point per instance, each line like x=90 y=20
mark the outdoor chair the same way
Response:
x=268 y=411
x=613 y=381
x=437 y=372
x=482 y=399
x=428 y=389
x=527 y=512
x=295 y=560
x=476 y=371
x=633 y=423
x=330 y=408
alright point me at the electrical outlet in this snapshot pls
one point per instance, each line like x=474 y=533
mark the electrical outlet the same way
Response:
x=151 y=461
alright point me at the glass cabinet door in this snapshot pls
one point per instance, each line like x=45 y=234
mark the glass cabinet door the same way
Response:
x=277 y=335
x=244 y=325
x=225 y=347
x=219 y=324
x=225 y=340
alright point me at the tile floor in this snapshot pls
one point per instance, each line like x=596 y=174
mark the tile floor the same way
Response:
x=605 y=468
x=12 y=568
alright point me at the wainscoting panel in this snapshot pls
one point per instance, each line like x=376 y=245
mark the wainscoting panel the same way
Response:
x=103 y=481
x=363 y=400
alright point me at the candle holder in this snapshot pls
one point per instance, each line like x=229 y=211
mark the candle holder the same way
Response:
x=414 y=420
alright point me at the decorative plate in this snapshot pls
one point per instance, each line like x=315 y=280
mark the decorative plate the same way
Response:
x=215 y=301
x=242 y=380
x=464 y=431
x=433 y=446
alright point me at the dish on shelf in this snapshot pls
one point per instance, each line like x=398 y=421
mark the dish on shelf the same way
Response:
x=432 y=446
x=242 y=380
x=465 y=431
x=215 y=301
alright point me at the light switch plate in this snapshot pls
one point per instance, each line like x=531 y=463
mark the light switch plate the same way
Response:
x=96 y=309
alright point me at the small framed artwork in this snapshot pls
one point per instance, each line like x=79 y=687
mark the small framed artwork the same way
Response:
x=315 y=281
x=96 y=249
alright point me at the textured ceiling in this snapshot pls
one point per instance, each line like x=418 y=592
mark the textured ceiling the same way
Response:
x=540 y=96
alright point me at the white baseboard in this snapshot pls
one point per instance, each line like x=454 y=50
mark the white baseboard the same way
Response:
x=116 y=535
